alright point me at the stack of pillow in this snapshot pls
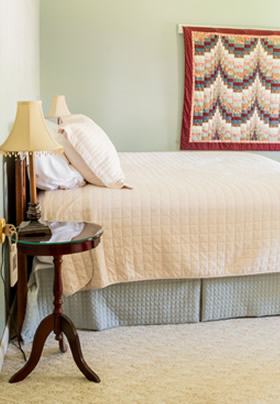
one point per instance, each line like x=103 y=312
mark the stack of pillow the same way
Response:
x=88 y=155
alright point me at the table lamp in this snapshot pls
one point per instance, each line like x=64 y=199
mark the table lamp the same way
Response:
x=30 y=135
x=58 y=109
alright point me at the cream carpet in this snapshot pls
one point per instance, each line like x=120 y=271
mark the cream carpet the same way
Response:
x=233 y=361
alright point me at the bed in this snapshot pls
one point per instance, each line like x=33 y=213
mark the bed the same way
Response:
x=188 y=237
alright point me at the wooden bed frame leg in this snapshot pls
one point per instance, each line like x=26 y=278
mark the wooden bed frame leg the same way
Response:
x=21 y=293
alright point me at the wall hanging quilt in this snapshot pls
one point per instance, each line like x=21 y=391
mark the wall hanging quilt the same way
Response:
x=232 y=90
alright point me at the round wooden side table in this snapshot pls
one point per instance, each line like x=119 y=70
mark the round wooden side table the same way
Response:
x=57 y=321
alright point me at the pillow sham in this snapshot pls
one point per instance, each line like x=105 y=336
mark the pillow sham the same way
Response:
x=53 y=171
x=91 y=152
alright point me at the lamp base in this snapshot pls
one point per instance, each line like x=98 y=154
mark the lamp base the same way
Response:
x=34 y=231
x=33 y=212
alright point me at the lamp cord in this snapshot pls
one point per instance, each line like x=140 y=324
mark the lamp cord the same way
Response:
x=18 y=346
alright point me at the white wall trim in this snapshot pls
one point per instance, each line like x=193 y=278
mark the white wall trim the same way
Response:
x=180 y=27
x=4 y=345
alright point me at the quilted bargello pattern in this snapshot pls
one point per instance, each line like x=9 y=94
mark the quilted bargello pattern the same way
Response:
x=232 y=97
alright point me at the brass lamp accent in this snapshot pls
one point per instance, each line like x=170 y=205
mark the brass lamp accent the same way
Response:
x=58 y=109
x=30 y=135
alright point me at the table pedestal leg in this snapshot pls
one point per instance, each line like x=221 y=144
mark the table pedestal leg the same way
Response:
x=59 y=323
x=72 y=336
x=44 y=329
x=57 y=292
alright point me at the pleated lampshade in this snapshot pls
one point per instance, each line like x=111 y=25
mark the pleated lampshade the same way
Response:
x=59 y=108
x=29 y=132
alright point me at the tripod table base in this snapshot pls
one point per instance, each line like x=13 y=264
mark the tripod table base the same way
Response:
x=44 y=329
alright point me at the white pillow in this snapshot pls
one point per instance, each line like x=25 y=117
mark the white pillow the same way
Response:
x=91 y=152
x=53 y=171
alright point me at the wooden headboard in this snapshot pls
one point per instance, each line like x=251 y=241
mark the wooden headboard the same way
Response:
x=21 y=203
x=20 y=183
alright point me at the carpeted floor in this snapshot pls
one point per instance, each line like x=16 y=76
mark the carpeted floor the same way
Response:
x=233 y=361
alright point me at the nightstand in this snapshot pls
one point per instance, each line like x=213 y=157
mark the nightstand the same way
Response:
x=58 y=322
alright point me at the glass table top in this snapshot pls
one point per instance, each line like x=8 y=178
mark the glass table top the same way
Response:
x=63 y=232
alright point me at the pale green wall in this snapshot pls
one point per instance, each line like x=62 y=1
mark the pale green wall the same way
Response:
x=19 y=79
x=121 y=61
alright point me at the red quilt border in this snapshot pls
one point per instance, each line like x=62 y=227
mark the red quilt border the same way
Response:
x=185 y=143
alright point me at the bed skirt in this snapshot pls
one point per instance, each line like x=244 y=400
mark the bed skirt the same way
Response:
x=241 y=296
x=154 y=302
x=124 y=304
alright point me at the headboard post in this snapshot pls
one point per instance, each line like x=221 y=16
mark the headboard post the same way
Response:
x=20 y=181
x=20 y=185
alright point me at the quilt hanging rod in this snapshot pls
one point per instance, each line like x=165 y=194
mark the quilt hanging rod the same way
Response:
x=180 y=27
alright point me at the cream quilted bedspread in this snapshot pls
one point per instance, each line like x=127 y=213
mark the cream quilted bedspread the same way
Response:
x=189 y=215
